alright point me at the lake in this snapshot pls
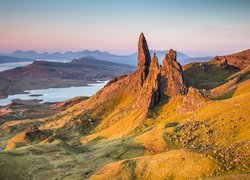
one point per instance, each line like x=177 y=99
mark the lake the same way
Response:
x=56 y=94
x=6 y=66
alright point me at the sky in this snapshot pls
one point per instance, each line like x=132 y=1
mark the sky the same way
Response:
x=194 y=27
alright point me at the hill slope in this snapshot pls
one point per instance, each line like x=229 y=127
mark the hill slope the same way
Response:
x=44 y=74
x=208 y=75
x=147 y=125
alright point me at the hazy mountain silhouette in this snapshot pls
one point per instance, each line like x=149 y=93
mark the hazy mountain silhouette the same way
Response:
x=130 y=59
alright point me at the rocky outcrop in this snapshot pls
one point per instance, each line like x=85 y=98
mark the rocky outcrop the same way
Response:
x=143 y=57
x=150 y=94
x=158 y=82
x=150 y=83
x=173 y=81
x=192 y=101
x=223 y=64
x=239 y=60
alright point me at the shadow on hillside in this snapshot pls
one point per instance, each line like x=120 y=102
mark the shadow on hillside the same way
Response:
x=226 y=95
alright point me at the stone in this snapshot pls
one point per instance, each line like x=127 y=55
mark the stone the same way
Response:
x=240 y=60
x=150 y=83
x=192 y=101
x=223 y=64
x=173 y=81
x=150 y=94
x=144 y=58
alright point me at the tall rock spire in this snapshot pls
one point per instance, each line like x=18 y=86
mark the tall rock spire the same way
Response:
x=143 y=57
x=150 y=94
x=173 y=80
x=151 y=83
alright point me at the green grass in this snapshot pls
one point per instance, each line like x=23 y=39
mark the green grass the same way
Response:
x=65 y=160
x=211 y=78
x=171 y=124
x=226 y=95
x=14 y=165
x=215 y=134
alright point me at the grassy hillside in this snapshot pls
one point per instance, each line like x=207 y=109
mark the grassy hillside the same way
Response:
x=210 y=78
x=201 y=134
x=166 y=144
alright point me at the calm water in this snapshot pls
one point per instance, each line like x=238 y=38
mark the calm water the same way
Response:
x=56 y=94
x=6 y=66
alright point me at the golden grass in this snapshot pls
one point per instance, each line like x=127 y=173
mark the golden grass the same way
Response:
x=152 y=140
x=12 y=143
x=177 y=164
x=10 y=124
x=121 y=128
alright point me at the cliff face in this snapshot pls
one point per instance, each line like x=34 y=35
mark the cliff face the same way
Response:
x=150 y=93
x=151 y=83
x=144 y=58
x=134 y=95
x=239 y=60
x=173 y=80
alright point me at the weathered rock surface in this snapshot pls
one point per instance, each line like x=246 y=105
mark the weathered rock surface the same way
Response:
x=173 y=80
x=239 y=60
x=223 y=63
x=150 y=83
x=144 y=58
x=192 y=101
x=150 y=94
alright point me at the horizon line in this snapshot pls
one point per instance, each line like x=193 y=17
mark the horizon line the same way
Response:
x=111 y=53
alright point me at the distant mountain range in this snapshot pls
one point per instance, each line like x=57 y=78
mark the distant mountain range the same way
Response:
x=10 y=59
x=130 y=59
x=45 y=74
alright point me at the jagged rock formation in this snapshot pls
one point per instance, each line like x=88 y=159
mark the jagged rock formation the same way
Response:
x=223 y=63
x=173 y=80
x=153 y=82
x=239 y=60
x=150 y=94
x=192 y=101
x=121 y=106
x=158 y=82
x=111 y=133
x=144 y=58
